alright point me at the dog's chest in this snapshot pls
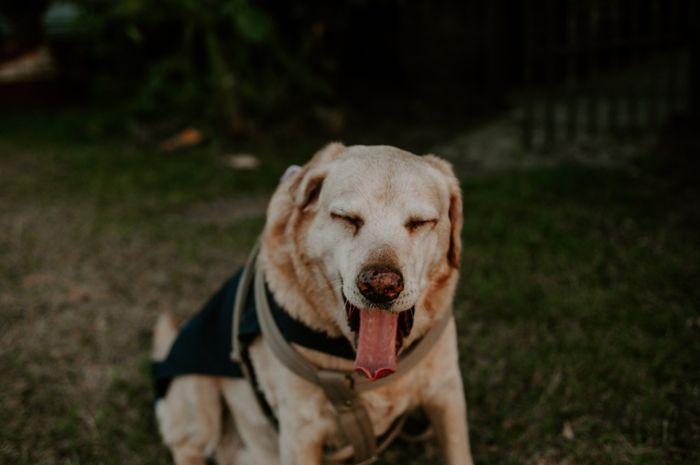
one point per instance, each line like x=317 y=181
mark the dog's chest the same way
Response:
x=308 y=404
x=384 y=407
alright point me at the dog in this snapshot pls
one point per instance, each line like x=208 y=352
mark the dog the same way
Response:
x=363 y=244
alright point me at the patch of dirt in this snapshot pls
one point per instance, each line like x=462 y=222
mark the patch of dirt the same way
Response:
x=77 y=307
x=498 y=146
x=224 y=212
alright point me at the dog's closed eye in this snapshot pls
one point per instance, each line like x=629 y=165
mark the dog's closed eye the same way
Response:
x=353 y=221
x=415 y=224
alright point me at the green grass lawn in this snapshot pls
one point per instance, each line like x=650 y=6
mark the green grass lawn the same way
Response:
x=579 y=308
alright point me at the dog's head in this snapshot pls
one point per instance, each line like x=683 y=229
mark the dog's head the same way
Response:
x=367 y=239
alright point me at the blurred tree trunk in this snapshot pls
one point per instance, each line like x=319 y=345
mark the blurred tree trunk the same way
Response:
x=694 y=78
x=188 y=29
x=223 y=78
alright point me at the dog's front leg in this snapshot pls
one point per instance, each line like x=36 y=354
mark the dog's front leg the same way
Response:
x=303 y=430
x=301 y=444
x=445 y=404
x=448 y=414
x=298 y=448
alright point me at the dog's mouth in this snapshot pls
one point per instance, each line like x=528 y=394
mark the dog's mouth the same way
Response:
x=379 y=336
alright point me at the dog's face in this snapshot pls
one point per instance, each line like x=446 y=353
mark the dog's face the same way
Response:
x=379 y=225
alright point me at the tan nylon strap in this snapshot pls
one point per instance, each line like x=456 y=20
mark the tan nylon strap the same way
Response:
x=352 y=419
x=239 y=302
x=299 y=365
x=341 y=388
x=274 y=338
x=351 y=415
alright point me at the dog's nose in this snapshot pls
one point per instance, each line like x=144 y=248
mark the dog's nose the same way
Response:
x=380 y=284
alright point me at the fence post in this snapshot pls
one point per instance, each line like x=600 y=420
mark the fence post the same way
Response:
x=654 y=116
x=633 y=89
x=528 y=64
x=694 y=66
x=592 y=20
x=572 y=45
x=551 y=56
x=613 y=101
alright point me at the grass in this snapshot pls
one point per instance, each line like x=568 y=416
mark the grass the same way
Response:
x=578 y=313
x=579 y=309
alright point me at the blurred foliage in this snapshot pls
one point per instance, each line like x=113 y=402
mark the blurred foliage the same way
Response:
x=246 y=63
x=224 y=61
x=22 y=19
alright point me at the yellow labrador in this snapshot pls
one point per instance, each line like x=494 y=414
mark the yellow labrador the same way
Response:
x=363 y=242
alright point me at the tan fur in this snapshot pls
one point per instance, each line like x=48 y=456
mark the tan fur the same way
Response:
x=164 y=335
x=306 y=254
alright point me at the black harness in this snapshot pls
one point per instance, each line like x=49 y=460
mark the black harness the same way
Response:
x=203 y=346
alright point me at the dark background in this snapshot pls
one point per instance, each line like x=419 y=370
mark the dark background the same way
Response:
x=140 y=141
x=236 y=63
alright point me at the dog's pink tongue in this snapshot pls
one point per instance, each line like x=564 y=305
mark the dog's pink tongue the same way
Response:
x=376 y=343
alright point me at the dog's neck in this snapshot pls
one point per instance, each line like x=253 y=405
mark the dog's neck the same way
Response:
x=293 y=289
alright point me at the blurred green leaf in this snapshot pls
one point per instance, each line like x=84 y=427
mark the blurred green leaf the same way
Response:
x=253 y=24
x=133 y=33
x=129 y=8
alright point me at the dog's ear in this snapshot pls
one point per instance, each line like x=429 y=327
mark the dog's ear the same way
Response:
x=309 y=189
x=455 y=208
x=306 y=185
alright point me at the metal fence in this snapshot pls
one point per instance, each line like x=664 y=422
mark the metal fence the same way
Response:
x=593 y=67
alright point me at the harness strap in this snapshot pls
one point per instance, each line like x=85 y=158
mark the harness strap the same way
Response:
x=351 y=415
x=340 y=387
x=239 y=303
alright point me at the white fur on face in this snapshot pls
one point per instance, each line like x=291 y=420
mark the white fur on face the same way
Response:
x=385 y=189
